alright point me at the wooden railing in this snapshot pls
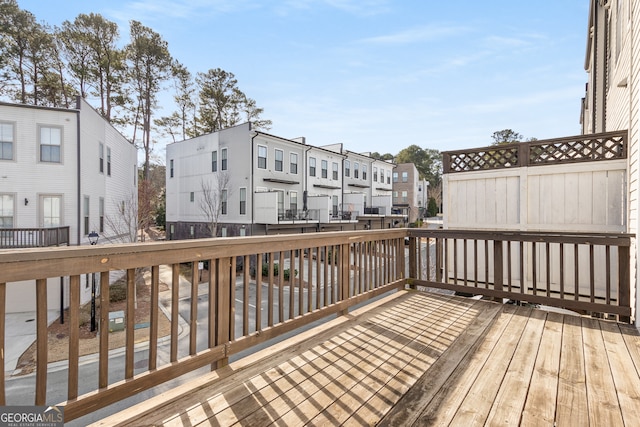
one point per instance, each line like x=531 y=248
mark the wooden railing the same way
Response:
x=33 y=237
x=317 y=275
x=575 y=149
x=249 y=301
x=588 y=273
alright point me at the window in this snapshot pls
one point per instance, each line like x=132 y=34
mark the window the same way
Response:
x=395 y=194
x=356 y=170
x=334 y=171
x=214 y=161
x=279 y=160
x=375 y=174
x=223 y=154
x=405 y=176
x=51 y=211
x=86 y=215
x=382 y=176
x=334 y=205
x=101 y=213
x=101 y=156
x=243 y=201
x=192 y=231
x=223 y=199
x=404 y=197
x=171 y=168
x=388 y=178
x=364 y=172
x=223 y=232
x=192 y=197
x=293 y=158
x=325 y=165
x=293 y=201
x=6 y=210
x=312 y=166
x=6 y=141
x=395 y=177
x=347 y=168
x=50 y=144
x=108 y=161
x=262 y=157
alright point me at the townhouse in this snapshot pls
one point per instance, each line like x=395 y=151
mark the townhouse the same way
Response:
x=239 y=181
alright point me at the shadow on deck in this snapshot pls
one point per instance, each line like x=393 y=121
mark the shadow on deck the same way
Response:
x=417 y=358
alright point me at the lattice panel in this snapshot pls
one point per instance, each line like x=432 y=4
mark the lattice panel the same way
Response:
x=592 y=149
x=483 y=160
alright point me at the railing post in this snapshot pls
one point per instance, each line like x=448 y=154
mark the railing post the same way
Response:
x=223 y=305
x=498 y=280
x=413 y=262
x=523 y=154
x=344 y=276
x=624 y=287
x=438 y=260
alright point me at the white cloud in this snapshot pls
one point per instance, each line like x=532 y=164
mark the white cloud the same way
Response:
x=416 y=35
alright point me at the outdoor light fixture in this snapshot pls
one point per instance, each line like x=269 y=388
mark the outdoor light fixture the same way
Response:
x=93 y=236
x=26 y=201
x=93 y=239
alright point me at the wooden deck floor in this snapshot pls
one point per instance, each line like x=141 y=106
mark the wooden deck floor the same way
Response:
x=422 y=359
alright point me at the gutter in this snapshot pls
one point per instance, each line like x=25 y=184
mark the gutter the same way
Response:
x=79 y=195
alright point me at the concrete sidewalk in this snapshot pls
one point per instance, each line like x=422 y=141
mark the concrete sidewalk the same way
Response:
x=20 y=333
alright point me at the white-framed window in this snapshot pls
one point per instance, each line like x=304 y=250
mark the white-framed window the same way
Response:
x=312 y=166
x=405 y=176
x=223 y=199
x=86 y=215
x=50 y=144
x=7 y=210
x=262 y=157
x=101 y=213
x=404 y=197
x=395 y=177
x=243 y=201
x=334 y=205
x=382 y=176
x=51 y=210
x=375 y=174
x=223 y=155
x=6 y=140
x=364 y=172
x=334 y=171
x=293 y=161
x=279 y=155
x=356 y=170
x=325 y=166
x=347 y=168
x=293 y=201
x=214 y=161
x=108 y=161
x=101 y=157
x=395 y=194
x=223 y=232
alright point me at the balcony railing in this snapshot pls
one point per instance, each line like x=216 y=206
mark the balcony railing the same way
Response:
x=344 y=215
x=298 y=215
x=33 y=237
x=263 y=287
x=375 y=210
x=583 y=148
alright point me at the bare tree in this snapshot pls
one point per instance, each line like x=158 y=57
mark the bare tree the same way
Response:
x=124 y=224
x=435 y=193
x=214 y=200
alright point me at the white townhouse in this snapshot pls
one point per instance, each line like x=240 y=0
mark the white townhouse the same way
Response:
x=63 y=174
x=239 y=181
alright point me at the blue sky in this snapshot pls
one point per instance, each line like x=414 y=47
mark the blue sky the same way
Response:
x=378 y=75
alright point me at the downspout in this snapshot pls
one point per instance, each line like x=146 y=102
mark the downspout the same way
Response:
x=594 y=92
x=253 y=190
x=79 y=195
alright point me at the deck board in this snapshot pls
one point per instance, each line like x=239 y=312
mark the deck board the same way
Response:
x=423 y=359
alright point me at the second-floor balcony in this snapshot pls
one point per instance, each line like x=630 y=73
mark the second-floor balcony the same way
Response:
x=297 y=216
x=33 y=237
x=410 y=353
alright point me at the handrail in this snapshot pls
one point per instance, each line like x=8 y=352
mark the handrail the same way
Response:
x=262 y=287
x=33 y=237
x=587 y=272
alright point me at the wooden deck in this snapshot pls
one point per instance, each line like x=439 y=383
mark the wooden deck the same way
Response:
x=417 y=358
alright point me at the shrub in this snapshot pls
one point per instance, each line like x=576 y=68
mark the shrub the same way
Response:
x=287 y=274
